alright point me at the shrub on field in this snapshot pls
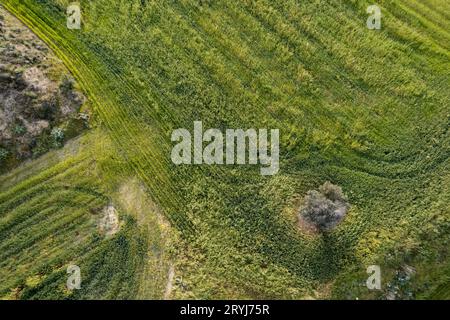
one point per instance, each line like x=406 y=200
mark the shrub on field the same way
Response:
x=19 y=129
x=3 y=154
x=324 y=209
x=58 y=137
x=66 y=85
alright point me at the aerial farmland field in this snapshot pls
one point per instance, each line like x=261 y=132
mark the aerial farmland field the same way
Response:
x=346 y=109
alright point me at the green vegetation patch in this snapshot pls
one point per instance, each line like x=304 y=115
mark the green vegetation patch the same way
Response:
x=367 y=110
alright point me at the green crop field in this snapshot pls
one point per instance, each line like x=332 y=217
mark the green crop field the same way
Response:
x=368 y=110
